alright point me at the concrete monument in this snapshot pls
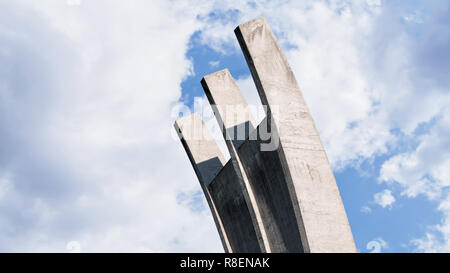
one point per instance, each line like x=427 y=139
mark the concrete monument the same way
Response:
x=277 y=192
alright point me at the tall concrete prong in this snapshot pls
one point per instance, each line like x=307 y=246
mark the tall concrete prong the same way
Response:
x=206 y=159
x=319 y=212
x=262 y=174
x=236 y=121
x=277 y=193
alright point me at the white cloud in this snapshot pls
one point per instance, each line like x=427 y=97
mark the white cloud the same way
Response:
x=374 y=2
x=214 y=64
x=85 y=125
x=424 y=171
x=414 y=17
x=73 y=2
x=438 y=237
x=384 y=198
x=5 y=185
x=366 y=209
x=377 y=245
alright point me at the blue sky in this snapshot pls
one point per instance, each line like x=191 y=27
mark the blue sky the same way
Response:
x=87 y=97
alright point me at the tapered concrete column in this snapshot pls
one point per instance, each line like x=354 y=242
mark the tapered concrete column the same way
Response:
x=236 y=121
x=319 y=212
x=261 y=171
x=206 y=159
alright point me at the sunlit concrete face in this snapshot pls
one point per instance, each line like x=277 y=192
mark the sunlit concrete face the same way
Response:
x=276 y=193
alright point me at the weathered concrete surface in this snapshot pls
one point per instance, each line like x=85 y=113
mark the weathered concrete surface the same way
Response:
x=262 y=172
x=228 y=196
x=206 y=159
x=265 y=174
x=234 y=117
x=283 y=199
x=319 y=212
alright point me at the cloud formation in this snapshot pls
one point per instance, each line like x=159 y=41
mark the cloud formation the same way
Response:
x=87 y=88
x=86 y=153
x=384 y=198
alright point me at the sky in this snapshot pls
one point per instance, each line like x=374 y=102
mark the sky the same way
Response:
x=89 y=90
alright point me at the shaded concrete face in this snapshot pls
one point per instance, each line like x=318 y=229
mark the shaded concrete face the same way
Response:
x=226 y=192
x=233 y=115
x=262 y=173
x=280 y=199
x=269 y=186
